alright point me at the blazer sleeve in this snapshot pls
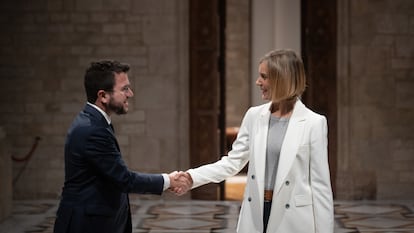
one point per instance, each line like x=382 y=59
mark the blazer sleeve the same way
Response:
x=101 y=151
x=320 y=178
x=228 y=165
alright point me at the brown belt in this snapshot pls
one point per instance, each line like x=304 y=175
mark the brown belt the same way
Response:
x=268 y=195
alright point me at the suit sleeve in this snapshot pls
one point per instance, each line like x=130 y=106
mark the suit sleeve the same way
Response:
x=228 y=165
x=320 y=178
x=104 y=156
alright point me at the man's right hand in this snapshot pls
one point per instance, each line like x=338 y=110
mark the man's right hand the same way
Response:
x=180 y=182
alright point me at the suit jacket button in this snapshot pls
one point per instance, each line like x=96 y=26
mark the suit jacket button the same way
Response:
x=253 y=177
x=287 y=206
x=249 y=199
x=287 y=182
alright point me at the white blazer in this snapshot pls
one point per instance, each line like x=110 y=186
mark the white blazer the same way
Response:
x=302 y=196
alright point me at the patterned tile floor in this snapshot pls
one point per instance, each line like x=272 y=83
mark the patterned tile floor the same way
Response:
x=374 y=216
x=185 y=216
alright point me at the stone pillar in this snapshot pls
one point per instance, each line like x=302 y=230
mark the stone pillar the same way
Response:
x=6 y=192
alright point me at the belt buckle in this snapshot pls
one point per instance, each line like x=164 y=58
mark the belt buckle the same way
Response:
x=268 y=195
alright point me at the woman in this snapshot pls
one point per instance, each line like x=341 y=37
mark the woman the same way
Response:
x=288 y=183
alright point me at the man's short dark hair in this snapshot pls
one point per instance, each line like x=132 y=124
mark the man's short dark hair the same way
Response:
x=101 y=76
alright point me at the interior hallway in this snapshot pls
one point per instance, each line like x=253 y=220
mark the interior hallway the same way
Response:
x=192 y=216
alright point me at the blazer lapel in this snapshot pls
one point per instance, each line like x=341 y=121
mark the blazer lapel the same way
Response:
x=290 y=144
x=260 y=148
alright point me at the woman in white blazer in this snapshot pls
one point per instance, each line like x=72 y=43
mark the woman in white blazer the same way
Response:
x=285 y=144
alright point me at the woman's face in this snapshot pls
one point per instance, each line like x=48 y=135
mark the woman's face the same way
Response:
x=263 y=81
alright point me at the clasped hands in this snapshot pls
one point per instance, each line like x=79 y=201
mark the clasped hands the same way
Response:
x=180 y=182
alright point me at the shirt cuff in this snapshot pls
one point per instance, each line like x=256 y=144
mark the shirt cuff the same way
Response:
x=166 y=181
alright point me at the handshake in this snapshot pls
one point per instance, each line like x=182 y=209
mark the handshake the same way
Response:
x=180 y=182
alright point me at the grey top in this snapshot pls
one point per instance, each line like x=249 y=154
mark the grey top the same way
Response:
x=275 y=136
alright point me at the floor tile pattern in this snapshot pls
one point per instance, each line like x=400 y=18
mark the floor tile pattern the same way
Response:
x=374 y=217
x=185 y=216
x=190 y=216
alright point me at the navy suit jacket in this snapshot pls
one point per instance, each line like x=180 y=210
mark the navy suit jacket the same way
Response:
x=97 y=181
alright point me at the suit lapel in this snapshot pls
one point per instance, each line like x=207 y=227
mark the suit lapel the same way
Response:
x=100 y=120
x=290 y=144
x=111 y=128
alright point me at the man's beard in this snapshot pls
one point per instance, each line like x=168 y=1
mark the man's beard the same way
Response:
x=117 y=108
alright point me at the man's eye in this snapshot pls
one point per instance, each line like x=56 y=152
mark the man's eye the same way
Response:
x=125 y=89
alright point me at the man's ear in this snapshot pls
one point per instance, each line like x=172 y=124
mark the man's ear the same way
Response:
x=103 y=96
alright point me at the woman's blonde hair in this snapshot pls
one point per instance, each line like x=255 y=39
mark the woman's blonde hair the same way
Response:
x=286 y=74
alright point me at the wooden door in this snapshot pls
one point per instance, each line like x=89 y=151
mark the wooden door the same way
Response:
x=319 y=19
x=207 y=133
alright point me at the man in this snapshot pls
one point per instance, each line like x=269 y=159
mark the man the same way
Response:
x=97 y=181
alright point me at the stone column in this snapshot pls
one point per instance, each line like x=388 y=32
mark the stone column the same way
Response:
x=6 y=191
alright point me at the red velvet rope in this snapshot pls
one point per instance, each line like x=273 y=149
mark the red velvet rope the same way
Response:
x=32 y=150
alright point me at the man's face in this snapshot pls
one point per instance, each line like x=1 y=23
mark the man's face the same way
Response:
x=118 y=102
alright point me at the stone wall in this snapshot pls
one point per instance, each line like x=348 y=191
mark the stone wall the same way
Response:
x=238 y=81
x=45 y=47
x=375 y=99
x=6 y=192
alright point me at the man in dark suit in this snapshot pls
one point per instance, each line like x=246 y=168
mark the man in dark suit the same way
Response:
x=97 y=181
